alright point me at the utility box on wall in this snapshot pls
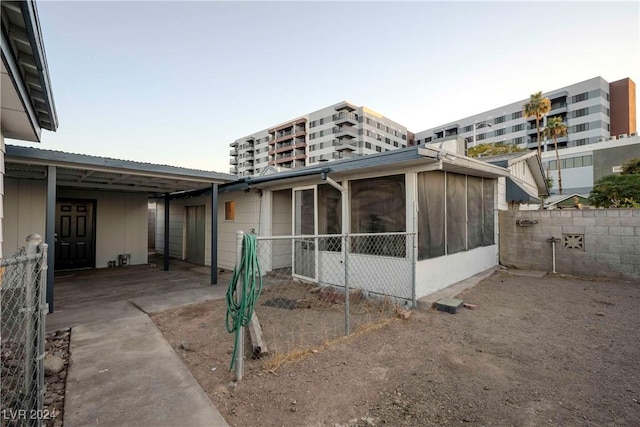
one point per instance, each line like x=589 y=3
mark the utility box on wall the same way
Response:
x=124 y=260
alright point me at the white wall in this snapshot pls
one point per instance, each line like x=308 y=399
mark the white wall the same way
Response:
x=121 y=224
x=248 y=208
x=24 y=211
x=438 y=273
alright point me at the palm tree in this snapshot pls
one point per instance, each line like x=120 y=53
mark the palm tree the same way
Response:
x=537 y=107
x=556 y=128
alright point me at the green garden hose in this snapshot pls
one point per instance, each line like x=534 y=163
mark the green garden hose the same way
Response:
x=240 y=313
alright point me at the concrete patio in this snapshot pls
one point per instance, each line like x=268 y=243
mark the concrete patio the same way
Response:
x=122 y=371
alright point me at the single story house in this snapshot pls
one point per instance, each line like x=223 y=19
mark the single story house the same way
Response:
x=447 y=200
x=526 y=182
x=567 y=201
x=93 y=211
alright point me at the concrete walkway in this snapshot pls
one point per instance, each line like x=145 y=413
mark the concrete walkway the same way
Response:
x=122 y=371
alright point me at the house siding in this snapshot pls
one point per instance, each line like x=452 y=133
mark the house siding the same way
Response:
x=121 y=224
x=246 y=219
x=24 y=212
x=121 y=219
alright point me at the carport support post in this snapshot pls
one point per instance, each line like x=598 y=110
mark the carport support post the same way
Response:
x=239 y=362
x=50 y=232
x=166 y=231
x=214 y=234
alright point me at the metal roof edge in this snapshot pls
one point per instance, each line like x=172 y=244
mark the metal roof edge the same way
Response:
x=15 y=152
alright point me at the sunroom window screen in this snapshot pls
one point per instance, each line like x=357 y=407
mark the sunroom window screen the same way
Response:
x=474 y=212
x=488 y=220
x=329 y=217
x=456 y=213
x=469 y=216
x=378 y=205
x=431 y=214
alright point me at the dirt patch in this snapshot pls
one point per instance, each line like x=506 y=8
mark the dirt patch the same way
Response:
x=553 y=351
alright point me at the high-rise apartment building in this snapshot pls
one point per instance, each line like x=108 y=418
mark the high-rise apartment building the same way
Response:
x=339 y=131
x=593 y=110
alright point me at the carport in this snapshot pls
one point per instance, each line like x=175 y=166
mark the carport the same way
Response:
x=97 y=204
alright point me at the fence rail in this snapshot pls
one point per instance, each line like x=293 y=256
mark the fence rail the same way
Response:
x=321 y=287
x=23 y=309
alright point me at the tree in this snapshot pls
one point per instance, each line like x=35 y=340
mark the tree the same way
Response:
x=556 y=128
x=537 y=107
x=616 y=191
x=488 y=149
x=631 y=166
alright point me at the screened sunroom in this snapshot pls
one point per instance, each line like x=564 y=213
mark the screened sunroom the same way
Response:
x=401 y=224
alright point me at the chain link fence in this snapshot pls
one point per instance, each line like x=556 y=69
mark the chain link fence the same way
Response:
x=320 y=288
x=23 y=309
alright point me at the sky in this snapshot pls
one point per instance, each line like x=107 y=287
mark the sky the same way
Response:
x=176 y=82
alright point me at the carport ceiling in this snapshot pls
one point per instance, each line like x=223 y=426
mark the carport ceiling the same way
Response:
x=106 y=174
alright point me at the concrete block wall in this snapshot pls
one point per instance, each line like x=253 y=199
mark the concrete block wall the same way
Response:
x=611 y=241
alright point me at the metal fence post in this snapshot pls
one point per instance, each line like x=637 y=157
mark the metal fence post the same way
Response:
x=414 y=265
x=30 y=308
x=347 y=318
x=43 y=309
x=239 y=362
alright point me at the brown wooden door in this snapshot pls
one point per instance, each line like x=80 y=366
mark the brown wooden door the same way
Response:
x=75 y=234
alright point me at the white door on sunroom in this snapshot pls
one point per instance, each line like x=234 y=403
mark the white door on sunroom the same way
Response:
x=304 y=224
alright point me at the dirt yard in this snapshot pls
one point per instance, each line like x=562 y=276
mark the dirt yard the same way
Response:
x=551 y=351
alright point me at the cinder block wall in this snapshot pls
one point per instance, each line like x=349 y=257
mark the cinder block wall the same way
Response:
x=610 y=243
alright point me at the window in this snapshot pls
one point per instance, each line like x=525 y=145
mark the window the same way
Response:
x=581 y=97
x=321 y=121
x=516 y=115
x=499 y=120
x=581 y=112
x=379 y=149
x=312 y=124
x=230 y=210
x=387 y=140
x=395 y=143
x=517 y=140
x=468 y=128
x=468 y=218
x=582 y=141
x=500 y=132
x=367 y=145
x=581 y=128
x=517 y=128
x=329 y=217
x=378 y=205
x=321 y=133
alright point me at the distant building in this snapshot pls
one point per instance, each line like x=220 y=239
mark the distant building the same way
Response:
x=339 y=131
x=594 y=111
x=582 y=166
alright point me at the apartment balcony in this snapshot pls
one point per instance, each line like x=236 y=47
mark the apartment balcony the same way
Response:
x=288 y=159
x=233 y=144
x=345 y=132
x=233 y=161
x=233 y=152
x=346 y=145
x=284 y=148
x=345 y=106
x=345 y=117
x=558 y=108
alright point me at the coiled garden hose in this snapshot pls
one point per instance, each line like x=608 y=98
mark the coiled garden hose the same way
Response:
x=240 y=313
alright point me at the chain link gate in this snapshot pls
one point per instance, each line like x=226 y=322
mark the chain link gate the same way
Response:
x=23 y=309
x=318 y=288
